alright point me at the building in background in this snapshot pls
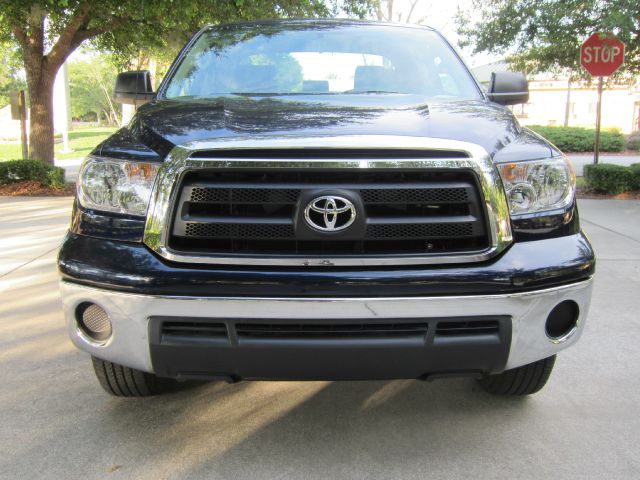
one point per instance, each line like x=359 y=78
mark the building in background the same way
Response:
x=554 y=100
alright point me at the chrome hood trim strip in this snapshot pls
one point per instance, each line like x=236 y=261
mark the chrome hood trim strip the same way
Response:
x=178 y=162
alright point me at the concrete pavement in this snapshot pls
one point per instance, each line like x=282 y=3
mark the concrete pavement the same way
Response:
x=56 y=422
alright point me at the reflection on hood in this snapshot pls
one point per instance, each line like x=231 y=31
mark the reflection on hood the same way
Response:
x=164 y=124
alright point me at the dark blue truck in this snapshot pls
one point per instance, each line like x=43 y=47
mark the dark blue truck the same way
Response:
x=324 y=199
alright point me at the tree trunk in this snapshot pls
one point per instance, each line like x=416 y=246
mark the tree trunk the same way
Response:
x=567 y=109
x=41 y=69
x=40 y=76
x=41 y=117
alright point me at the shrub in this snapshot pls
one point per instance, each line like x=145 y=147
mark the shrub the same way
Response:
x=609 y=178
x=635 y=174
x=19 y=170
x=633 y=142
x=578 y=139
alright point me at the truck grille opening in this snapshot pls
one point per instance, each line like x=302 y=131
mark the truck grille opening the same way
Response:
x=468 y=328
x=193 y=332
x=329 y=330
x=253 y=212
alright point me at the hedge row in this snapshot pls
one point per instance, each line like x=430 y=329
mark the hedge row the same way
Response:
x=578 y=139
x=612 y=179
x=19 y=170
x=633 y=142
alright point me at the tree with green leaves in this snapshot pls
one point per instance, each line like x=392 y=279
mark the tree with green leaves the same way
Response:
x=545 y=35
x=10 y=78
x=48 y=31
x=91 y=90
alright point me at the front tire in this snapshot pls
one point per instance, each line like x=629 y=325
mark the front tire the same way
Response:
x=524 y=380
x=121 y=381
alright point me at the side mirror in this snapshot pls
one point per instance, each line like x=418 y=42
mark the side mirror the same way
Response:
x=508 y=88
x=133 y=88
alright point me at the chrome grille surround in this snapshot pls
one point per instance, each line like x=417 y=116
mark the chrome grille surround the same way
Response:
x=179 y=162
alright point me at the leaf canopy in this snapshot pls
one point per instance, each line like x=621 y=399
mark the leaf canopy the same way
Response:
x=545 y=35
x=126 y=26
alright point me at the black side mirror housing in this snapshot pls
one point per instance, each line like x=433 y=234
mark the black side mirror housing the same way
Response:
x=134 y=88
x=508 y=88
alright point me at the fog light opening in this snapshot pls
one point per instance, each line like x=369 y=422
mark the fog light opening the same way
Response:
x=93 y=322
x=562 y=320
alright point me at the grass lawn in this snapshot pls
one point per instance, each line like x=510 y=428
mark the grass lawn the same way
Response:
x=81 y=141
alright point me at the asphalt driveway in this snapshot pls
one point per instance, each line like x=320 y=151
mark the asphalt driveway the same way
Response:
x=56 y=422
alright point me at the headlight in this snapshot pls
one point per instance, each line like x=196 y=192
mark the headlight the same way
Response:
x=116 y=186
x=538 y=185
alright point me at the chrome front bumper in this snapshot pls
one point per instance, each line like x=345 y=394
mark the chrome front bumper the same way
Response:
x=129 y=313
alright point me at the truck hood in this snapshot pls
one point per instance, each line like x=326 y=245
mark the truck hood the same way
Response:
x=161 y=125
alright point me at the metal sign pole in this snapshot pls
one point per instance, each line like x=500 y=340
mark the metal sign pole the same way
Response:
x=22 y=106
x=601 y=55
x=598 y=113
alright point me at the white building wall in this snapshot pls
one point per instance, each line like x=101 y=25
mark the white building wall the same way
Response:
x=548 y=99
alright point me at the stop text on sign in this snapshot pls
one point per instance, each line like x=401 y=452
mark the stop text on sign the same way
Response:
x=604 y=54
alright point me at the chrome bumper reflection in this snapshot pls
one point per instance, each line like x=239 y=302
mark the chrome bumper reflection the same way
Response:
x=129 y=314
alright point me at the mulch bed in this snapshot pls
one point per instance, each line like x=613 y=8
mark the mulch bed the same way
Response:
x=30 y=188
x=584 y=192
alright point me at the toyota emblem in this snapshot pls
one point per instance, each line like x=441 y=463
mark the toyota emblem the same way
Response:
x=330 y=213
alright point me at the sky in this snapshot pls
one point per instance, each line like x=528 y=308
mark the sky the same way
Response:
x=440 y=14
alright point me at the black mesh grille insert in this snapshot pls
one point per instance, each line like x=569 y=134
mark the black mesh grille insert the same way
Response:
x=414 y=195
x=329 y=330
x=251 y=230
x=259 y=212
x=427 y=231
x=243 y=195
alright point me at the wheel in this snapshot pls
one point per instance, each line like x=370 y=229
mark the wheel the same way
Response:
x=523 y=380
x=123 y=381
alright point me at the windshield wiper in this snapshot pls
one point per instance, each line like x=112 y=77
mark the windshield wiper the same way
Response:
x=371 y=91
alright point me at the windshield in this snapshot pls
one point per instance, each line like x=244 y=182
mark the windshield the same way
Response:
x=320 y=59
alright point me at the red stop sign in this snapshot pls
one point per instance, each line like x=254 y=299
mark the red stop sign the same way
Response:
x=601 y=55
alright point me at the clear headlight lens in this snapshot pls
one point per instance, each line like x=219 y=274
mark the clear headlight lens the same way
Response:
x=538 y=185
x=118 y=186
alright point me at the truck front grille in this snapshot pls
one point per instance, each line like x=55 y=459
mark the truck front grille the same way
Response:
x=254 y=212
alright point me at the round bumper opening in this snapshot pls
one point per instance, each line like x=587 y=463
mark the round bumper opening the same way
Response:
x=93 y=321
x=562 y=320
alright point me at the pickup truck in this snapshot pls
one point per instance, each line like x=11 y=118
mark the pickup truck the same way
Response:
x=324 y=200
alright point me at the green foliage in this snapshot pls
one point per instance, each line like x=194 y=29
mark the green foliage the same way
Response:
x=635 y=176
x=545 y=35
x=18 y=170
x=288 y=70
x=633 y=142
x=156 y=31
x=48 y=31
x=609 y=178
x=82 y=142
x=10 y=79
x=91 y=90
x=578 y=139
